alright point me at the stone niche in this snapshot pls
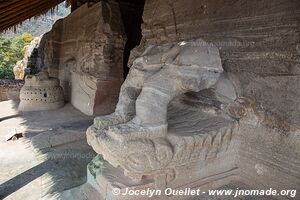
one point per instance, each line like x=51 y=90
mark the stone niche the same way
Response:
x=85 y=52
x=41 y=92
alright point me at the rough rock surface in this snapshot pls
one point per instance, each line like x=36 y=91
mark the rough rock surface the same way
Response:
x=203 y=149
x=10 y=89
x=30 y=59
x=258 y=42
x=159 y=137
x=87 y=43
x=150 y=138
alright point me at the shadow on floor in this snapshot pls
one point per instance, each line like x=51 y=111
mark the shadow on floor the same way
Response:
x=8 y=117
x=23 y=179
x=54 y=137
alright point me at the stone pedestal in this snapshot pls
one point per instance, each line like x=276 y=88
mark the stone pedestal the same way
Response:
x=197 y=152
x=112 y=184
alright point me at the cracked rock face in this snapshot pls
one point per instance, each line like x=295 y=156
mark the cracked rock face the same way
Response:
x=258 y=44
x=85 y=52
x=29 y=61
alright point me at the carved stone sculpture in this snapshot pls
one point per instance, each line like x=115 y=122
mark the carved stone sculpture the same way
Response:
x=152 y=133
x=41 y=92
x=160 y=74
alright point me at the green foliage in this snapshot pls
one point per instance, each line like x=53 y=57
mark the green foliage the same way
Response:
x=27 y=38
x=11 y=51
x=12 y=42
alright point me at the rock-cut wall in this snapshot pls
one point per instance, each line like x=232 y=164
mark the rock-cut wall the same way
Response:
x=85 y=51
x=259 y=43
x=10 y=89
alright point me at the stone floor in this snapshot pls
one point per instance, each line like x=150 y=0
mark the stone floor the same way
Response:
x=51 y=156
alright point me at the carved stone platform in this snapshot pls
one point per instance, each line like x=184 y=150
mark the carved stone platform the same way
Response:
x=198 y=140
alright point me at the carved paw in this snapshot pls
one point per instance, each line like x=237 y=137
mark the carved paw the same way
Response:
x=103 y=122
x=131 y=131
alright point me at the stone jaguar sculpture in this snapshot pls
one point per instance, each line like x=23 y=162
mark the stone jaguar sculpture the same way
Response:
x=156 y=77
x=136 y=136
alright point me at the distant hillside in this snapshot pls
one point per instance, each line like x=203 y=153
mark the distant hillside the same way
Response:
x=39 y=25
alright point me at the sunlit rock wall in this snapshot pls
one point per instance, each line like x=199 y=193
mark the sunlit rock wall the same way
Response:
x=85 y=51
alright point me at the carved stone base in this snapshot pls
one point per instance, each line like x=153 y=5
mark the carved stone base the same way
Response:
x=189 y=156
x=105 y=182
x=193 y=136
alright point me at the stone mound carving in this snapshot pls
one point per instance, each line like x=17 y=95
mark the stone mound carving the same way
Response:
x=153 y=132
x=41 y=92
x=160 y=74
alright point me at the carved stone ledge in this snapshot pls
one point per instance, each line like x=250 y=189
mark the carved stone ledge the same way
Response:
x=193 y=136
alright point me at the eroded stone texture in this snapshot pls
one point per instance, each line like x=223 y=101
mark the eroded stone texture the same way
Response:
x=205 y=139
x=205 y=149
x=19 y=70
x=10 y=89
x=258 y=43
x=27 y=64
x=200 y=137
x=160 y=74
x=267 y=148
x=154 y=135
x=41 y=92
x=85 y=51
